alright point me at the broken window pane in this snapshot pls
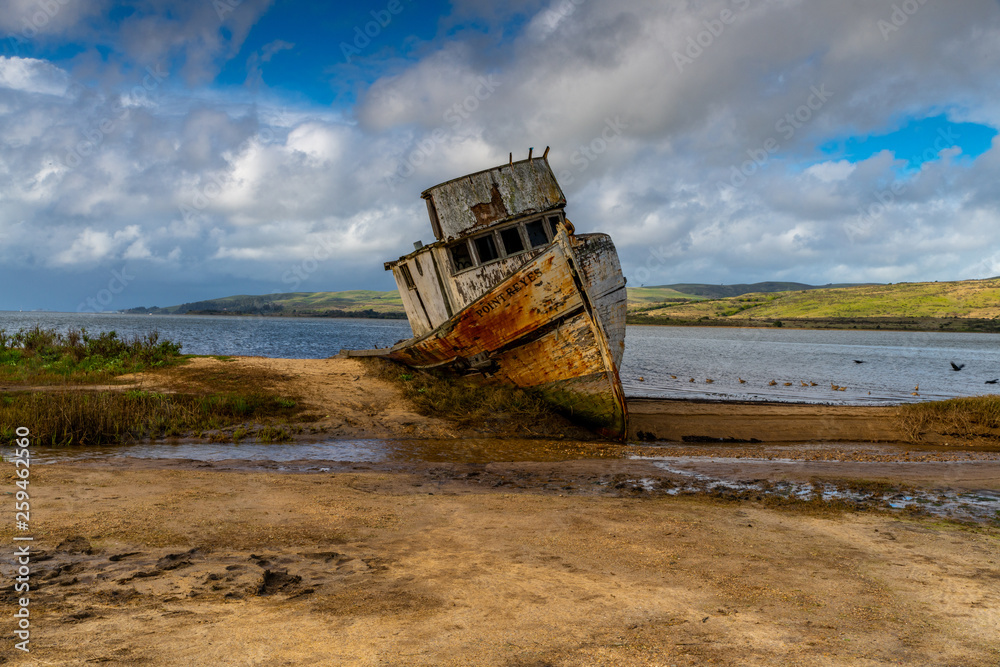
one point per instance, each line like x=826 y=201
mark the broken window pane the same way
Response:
x=486 y=248
x=512 y=242
x=554 y=224
x=536 y=233
x=460 y=256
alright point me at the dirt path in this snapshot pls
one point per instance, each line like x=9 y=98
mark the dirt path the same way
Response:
x=147 y=565
x=343 y=398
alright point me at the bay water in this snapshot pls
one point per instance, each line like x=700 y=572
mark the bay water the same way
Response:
x=660 y=362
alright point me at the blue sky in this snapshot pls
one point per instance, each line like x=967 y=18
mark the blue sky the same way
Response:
x=205 y=148
x=916 y=140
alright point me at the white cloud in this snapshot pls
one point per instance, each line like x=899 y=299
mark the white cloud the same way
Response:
x=32 y=75
x=319 y=141
x=92 y=246
x=831 y=172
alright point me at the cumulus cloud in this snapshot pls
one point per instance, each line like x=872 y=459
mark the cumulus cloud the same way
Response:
x=32 y=75
x=92 y=246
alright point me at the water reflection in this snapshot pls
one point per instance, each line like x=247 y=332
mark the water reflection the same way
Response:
x=352 y=451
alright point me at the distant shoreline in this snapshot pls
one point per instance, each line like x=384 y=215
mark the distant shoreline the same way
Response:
x=925 y=324
x=360 y=315
x=931 y=325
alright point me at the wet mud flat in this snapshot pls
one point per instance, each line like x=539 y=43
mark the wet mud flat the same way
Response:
x=943 y=482
x=427 y=553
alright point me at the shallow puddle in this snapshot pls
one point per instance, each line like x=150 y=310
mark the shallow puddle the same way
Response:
x=738 y=475
x=354 y=451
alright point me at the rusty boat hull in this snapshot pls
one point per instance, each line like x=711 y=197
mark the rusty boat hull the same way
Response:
x=541 y=329
x=510 y=292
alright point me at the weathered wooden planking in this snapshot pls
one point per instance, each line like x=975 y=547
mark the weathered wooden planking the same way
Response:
x=513 y=308
x=463 y=205
x=602 y=275
x=539 y=329
x=567 y=366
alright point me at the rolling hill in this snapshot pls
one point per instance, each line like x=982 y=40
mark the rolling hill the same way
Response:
x=967 y=304
x=962 y=305
x=722 y=291
x=353 y=303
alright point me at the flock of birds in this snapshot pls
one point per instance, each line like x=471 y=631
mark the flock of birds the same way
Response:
x=835 y=387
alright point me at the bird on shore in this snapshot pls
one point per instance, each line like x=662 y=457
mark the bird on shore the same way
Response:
x=917 y=388
x=914 y=394
x=841 y=388
x=993 y=381
x=788 y=384
x=673 y=377
x=742 y=381
x=709 y=380
x=956 y=367
x=834 y=387
x=812 y=384
x=771 y=383
x=804 y=384
x=691 y=380
x=642 y=379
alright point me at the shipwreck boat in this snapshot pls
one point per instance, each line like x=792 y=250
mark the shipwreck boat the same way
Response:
x=510 y=292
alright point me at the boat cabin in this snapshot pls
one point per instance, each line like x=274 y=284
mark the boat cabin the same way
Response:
x=486 y=225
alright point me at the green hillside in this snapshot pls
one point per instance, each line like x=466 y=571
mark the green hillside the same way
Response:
x=908 y=305
x=722 y=291
x=352 y=303
x=641 y=298
x=644 y=297
x=962 y=305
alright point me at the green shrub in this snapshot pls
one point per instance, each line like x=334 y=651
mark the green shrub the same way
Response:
x=45 y=356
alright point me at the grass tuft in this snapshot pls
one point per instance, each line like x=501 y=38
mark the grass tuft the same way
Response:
x=493 y=408
x=112 y=417
x=227 y=402
x=971 y=418
x=39 y=356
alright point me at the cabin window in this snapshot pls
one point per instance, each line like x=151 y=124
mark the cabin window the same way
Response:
x=461 y=257
x=536 y=233
x=512 y=242
x=554 y=224
x=407 y=276
x=420 y=269
x=486 y=248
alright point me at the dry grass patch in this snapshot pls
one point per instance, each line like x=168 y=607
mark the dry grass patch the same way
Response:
x=221 y=402
x=99 y=418
x=974 y=420
x=496 y=409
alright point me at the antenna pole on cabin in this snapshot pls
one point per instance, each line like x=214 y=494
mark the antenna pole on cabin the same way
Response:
x=512 y=159
x=545 y=155
x=529 y=152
